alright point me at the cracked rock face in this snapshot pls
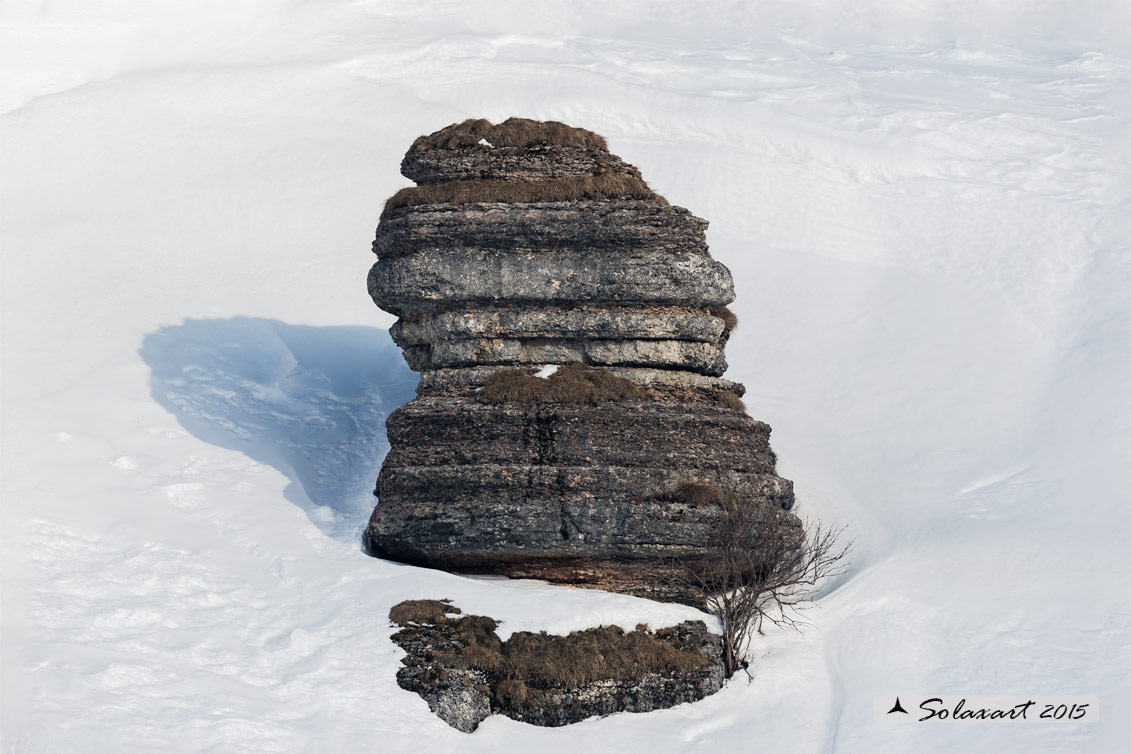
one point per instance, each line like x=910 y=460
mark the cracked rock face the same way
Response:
x=576 y=491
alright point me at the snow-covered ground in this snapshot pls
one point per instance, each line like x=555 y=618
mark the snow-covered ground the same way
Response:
x=925 y=206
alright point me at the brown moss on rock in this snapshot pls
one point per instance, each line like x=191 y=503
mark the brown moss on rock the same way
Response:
x=514 y=693
x=606 y=653
x=729 y=318
x=695 y=492
x=577 y=188
x=728 y=399
x=520 y=133
x=571 y=383
x=461 y=666
x=422 y=611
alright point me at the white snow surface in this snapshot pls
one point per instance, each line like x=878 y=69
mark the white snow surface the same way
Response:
x=925 y=206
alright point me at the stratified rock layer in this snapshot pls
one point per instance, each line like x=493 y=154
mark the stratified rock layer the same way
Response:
x=623 y=225
x=573 y=491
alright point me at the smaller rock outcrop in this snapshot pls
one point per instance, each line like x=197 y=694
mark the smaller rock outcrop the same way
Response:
x=465 y=672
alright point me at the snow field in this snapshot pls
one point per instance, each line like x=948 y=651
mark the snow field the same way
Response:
x=926 y=211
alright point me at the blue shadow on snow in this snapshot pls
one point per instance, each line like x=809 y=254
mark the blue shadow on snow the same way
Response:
x=309 y=401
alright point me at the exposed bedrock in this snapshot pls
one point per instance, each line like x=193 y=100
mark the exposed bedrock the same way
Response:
x=462 y=511
x=525 y=245
x=679 y=437
x=565 y=493
x=668 y=337
x=487 y=162
x=595 y=323
x=670 y=354
x=461 y=278
x=684 y=386
x=623 y=225
x=518 y=150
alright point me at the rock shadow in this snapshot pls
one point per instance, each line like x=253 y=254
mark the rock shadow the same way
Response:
x=309 y=401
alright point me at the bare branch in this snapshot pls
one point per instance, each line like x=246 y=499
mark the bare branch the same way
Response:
x=762 y=564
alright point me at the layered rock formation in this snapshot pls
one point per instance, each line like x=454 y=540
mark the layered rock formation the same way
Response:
x=524 y=245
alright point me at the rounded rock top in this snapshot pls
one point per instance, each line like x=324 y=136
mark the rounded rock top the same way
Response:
x=518 y=149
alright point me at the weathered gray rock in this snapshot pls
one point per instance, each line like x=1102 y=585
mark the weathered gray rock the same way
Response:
x=680 y=382
x=459 y=696
x=668 y=337
x=614 y=225
x=703 y=358
x=600 y=698
x=574 y=323
x=461 y=278
x=454 y=695
x=488 y=162
x=677 y=437
x=581 y=493
x=686 y=387
x=494 y=488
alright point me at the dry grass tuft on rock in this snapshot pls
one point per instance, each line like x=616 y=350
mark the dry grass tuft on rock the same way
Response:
x=696 y=493
x=422 y=611
x=727 y=399
x=571 y=384
x=477 y=629
x=512 y=692
x=580 y=188
x=729 y=318
x=456 y=136
x=483 y=656
x=528 y=661
x=606 y=653
x=519 y=133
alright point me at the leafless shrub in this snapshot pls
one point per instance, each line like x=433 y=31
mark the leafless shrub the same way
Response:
x=585 y=187
x=762 y=564
x=519 y=133
x=571 y=383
